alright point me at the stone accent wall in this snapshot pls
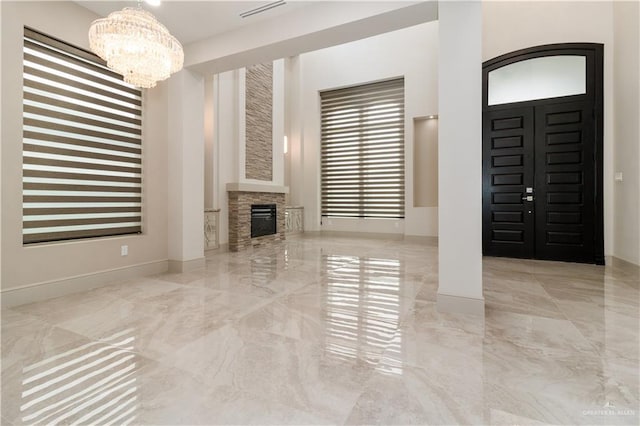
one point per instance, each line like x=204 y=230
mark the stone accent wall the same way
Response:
x=259 y=122
x=240 y=219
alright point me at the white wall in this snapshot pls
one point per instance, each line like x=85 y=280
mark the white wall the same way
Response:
x=627 y=130
x=225 y=95
x=43 y=270
x=294 y=128
x=210 y=153
x=514 y=25
x=410 y=52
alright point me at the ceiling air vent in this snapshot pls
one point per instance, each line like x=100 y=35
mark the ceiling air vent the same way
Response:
x=262 y=8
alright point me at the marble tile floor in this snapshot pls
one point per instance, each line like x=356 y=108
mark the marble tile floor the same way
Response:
x=321 y=330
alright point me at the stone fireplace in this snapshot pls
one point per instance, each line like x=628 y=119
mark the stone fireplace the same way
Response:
x=259 y=173
x=241 y=198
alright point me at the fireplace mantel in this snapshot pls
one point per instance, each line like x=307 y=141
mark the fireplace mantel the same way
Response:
x=257 y=187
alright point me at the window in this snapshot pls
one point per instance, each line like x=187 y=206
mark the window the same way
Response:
x=362 y=134
x=82 y=149
x=538 y=78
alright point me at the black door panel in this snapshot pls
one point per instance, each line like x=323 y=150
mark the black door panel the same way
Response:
x=508 y=169
x=564 y=202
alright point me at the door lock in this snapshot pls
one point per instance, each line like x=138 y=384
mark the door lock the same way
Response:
x=528 y=198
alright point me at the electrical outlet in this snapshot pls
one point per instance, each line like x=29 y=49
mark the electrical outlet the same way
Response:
x=124 y=250
x=618 y=177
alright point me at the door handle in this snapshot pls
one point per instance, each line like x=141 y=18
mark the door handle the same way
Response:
x=527 y=198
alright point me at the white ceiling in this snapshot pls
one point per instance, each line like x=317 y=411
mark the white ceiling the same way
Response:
x=190 y=21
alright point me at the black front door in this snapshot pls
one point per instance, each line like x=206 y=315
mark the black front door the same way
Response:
x=542 y=169
x=539 y=182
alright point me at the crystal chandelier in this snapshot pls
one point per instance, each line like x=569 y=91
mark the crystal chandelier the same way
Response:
x=136 y=45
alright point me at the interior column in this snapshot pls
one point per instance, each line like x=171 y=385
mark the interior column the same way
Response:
x=460 y=157
x=186 y=171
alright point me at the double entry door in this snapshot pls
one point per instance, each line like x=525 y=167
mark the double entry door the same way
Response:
x=539 y=181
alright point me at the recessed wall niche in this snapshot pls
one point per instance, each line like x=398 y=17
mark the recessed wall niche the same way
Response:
x=259 y=122
x=425 y=162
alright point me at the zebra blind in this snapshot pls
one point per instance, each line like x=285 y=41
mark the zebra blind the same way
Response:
x=82 y=148
x=362 y=138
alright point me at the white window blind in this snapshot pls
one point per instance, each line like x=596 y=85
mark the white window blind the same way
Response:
x=362 y=135
x=82 y=150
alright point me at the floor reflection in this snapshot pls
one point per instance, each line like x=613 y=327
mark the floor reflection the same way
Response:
x=93 y=383
x=362 y=306
x=264 y=270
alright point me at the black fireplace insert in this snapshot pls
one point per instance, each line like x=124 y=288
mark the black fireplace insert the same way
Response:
x=263 y=220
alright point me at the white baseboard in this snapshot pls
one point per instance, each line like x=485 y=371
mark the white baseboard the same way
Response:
x=460 y=305
x=430 y=241
x=55 y=288
x=186 y=265
x=222 y=248
x=618 y=262
x=354 y=234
